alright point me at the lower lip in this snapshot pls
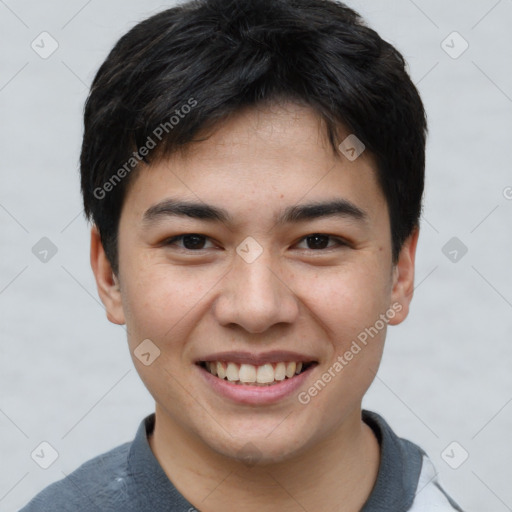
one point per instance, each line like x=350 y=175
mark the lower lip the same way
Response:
x=255 y=395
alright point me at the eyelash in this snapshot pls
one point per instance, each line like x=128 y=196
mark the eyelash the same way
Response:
x=339 y=241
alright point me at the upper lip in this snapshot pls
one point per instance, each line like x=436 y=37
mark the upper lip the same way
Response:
x=275 y=356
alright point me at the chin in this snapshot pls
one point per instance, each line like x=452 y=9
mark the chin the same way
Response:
x=260 y=450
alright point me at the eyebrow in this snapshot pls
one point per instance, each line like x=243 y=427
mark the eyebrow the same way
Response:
x=293 y=214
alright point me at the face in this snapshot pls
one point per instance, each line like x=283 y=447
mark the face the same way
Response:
x=254 y=284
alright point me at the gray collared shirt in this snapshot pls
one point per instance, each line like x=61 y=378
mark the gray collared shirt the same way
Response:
x=129 y=478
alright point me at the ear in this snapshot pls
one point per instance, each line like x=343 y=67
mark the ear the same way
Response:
x=403 y=279
x=106 y=282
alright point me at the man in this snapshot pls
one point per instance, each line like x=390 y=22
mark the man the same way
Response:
x=254 y=173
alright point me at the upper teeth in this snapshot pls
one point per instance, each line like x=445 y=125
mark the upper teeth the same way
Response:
x=248 y=373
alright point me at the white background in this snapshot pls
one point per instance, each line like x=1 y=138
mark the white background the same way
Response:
x=66 y=376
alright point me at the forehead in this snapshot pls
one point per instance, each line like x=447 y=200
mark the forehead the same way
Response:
x=272 y=156
x=278 y=128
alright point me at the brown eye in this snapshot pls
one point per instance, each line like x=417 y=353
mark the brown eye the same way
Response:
x=190 y=241
x=319 y=241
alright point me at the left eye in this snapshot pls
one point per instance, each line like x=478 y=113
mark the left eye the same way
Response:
x=320 y=241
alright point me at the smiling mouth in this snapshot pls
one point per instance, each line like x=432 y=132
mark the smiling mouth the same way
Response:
x=268 y=374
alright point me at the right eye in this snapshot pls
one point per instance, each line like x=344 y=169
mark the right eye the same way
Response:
x=191 y=241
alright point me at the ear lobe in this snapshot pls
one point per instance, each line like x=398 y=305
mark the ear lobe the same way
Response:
x=106 y=282
x=403 y=278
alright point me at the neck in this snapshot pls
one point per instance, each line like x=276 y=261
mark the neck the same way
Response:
x=336 y=474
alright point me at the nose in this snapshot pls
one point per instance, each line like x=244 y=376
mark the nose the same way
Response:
x=255 y=296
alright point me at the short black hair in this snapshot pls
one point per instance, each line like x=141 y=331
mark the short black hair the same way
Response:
x=186 y=68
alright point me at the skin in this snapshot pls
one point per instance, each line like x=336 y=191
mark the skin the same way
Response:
x=319 y=456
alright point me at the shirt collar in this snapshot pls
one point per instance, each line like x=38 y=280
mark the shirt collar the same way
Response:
x=151 y=481
x=399 y=469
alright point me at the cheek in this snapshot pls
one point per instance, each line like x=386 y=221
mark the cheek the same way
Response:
x=159 y=304
x=347 y=299
x=349 y=306
x=162 y=304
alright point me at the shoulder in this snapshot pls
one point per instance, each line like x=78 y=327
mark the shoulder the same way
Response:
x=407 y=479
x=96 y=482
x=430 y=495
